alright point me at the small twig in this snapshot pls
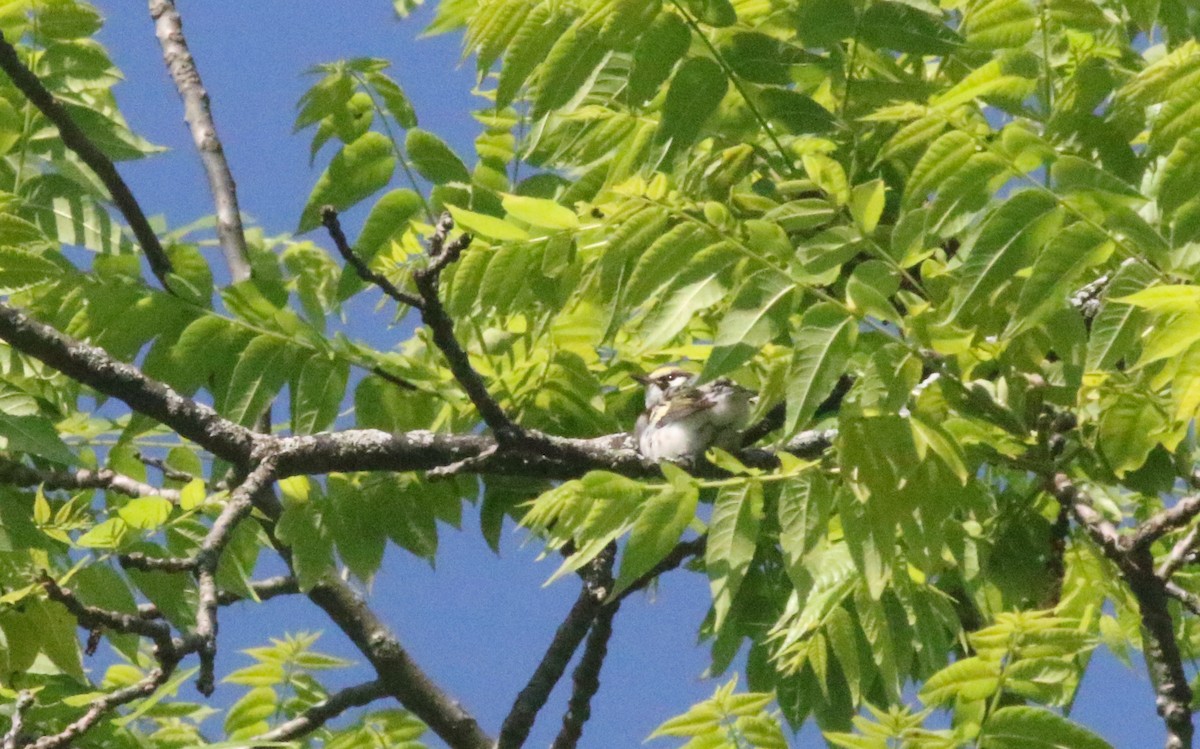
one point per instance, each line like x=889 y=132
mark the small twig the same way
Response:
x=683 y=551
x=463 y=466
x=18 y=474
x=168 y=27
x=23 y=703
x=264 y=590
x=586 y=680
x=94 y=617
x=597 y=581
x=144 y=688
x=239 y=505
x=324 y=711
x=400 y=382
x=1180 y=553
x=329 y=218
x=1175 y=516
x=1190 y=600
x=139 y=561
x=167 y=471
x=434 y=315
x=75 y=139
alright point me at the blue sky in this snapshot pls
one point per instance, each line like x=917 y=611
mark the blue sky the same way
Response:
x=479 y=622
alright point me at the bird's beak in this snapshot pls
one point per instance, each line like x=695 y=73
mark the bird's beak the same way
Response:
x=642 y=379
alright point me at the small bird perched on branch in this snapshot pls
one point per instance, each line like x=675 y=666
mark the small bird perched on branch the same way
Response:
x=682 y=420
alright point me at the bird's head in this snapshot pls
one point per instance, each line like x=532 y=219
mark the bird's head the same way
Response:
x=662 y=381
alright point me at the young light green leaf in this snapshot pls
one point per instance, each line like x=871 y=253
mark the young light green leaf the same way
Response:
x=20 y=270
x=145 y=513
x=485 y=225
x=540 y=212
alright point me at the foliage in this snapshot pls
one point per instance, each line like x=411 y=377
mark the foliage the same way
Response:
x=961 y=234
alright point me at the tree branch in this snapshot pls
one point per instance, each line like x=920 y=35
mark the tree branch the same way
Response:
x=13 y=737
x=92 y=366
x=1180 y=553
x=239 y=505
x=324 y=711
x=144 y=688
x=75 y=139
x=168 y=27
x=402 y=677
x=329 y=218
x=92 y=617
x=1172 y=518
x=139 y=561
x=597 y=582
x=264 y=590
x=586 y=679
x=1137 y=567
x=16 y=473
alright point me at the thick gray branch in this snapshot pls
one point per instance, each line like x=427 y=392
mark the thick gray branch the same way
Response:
x=93 y=367
x=168 y=27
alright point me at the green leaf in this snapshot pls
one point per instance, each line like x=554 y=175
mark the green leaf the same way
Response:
x=661 y=261
x=260 y=372
x=943 y=158
x=732 y=538
x=823 y=344
x=318 y=393
x=540 y=212
x=968 y=679
x=106 y=535
x=323 y=99
x=485 y=225
x=904 y=28
x=679 y=307
x=1026 y=727
x=719 y=13
x=145 y=513
x=758 y=313
x=695 y=93
x=866 y=204
x=1019 y=227
x=66 y=19
x=1130 y=428
x=388 y=220
x=34 y=435
x=433 y=159
x=796 y=112
x=567 y=66
x=1164 y=298
x=394 y=100
x=1056 y=270
x=248 y=716
x=1000 y=24
x=356 y=172
x=657 y=529
x=530 y=45
x=1185 y=388
x=657 y=51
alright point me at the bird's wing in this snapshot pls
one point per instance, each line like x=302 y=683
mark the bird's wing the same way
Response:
x=681 y=407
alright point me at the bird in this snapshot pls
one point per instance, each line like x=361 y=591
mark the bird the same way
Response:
x=683 y=420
